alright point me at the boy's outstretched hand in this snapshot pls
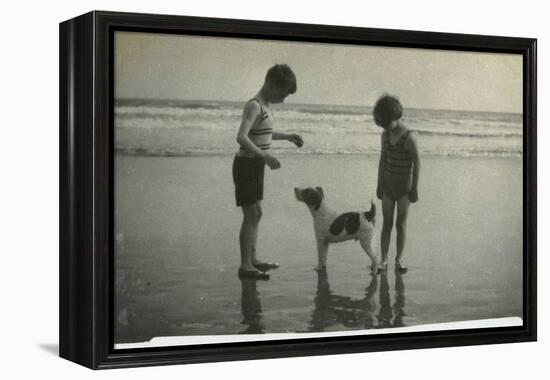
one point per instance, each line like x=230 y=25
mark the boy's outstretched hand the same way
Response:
x=296 y=140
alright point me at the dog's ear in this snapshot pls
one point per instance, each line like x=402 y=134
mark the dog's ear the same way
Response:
x=313 y=198
x=320 y=191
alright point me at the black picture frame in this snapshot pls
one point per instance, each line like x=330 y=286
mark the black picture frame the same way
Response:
x=86 y=189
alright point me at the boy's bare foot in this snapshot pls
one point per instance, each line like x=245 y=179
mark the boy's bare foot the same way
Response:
x=264 y=267
x=383 y=267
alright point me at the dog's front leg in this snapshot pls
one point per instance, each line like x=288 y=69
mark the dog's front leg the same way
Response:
x=322 y=251
x=367 y=247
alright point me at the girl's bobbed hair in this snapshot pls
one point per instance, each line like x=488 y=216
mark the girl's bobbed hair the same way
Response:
x=387 y=109
x=281 y=76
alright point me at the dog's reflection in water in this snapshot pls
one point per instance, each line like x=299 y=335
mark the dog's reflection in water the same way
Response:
x=391 y=315
x=334 y=310
x=251 y=307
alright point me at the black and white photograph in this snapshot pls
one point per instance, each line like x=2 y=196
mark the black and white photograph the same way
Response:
x=268 y=190
x=238 y=189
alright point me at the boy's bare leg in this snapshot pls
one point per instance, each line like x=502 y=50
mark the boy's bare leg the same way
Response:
x=388 y=207
x=259 y=213
x=401 y=226
x=248 y=235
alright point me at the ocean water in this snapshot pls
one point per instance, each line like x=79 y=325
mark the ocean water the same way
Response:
x=187 y=128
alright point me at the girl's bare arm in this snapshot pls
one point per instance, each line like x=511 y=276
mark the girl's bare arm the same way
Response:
x=413 y=149
x=379 y=194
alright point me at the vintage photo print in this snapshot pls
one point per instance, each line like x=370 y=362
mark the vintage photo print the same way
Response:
x=278 y=189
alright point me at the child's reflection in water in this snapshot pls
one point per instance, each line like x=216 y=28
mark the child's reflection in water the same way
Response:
x=251 y=307
x=387 y=311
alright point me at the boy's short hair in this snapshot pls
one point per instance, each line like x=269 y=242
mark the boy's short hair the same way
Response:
x=387 y=109
x=281 y=76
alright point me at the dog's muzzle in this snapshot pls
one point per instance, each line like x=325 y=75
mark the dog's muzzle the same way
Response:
x=298 y=194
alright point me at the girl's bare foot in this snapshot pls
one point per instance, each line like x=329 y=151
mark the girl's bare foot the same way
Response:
x=400 y=267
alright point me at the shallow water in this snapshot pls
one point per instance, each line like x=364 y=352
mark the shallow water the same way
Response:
x=177 y=249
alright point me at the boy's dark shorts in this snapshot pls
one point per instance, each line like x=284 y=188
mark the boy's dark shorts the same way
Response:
x=248 y=177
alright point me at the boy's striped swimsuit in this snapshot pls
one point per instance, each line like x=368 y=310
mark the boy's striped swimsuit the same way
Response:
x=248 y=170
x=261 y=131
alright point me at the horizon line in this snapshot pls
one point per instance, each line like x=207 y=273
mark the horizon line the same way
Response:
x=321 y=104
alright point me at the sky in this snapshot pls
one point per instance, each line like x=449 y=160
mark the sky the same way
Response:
x=165 y=66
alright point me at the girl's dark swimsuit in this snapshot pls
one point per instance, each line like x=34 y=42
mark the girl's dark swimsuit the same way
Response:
x=398 y=165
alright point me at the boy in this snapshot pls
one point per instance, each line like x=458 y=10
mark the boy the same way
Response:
x=254 y=137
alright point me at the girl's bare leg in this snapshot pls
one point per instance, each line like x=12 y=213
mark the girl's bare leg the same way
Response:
x=388 y=207
x=401 y=226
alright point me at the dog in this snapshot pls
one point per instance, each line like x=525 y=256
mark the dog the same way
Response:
x=333 y=227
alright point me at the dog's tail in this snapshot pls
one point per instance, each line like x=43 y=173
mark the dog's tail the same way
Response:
x=371 y=214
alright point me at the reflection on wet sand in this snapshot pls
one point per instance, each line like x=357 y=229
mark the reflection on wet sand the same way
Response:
x=251 y=308
x=333 y=310
x=391 y=315
x=399 y=305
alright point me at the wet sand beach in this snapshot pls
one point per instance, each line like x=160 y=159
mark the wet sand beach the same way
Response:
x=177 y=251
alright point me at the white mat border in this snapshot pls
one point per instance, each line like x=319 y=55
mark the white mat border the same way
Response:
x=212 y=339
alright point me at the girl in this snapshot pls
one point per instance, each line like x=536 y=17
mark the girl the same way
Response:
x=398 y=173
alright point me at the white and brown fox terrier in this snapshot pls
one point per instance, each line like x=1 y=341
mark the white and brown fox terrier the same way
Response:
x=334 y=227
